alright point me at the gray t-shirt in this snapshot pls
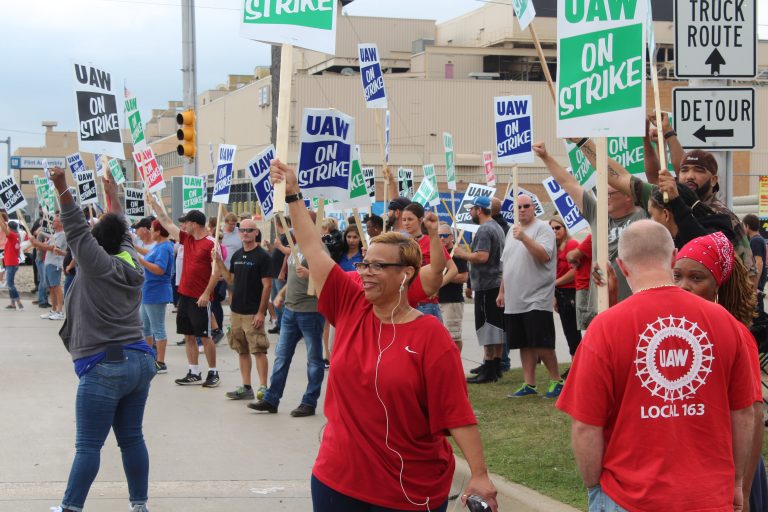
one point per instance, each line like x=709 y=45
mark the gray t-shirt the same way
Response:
x=233 y=243
x=529 y=284
x=489 y=238
x=59 y=240
x=296 y=298
x=615 y=228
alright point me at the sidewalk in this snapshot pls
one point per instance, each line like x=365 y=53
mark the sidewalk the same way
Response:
x=207 y=453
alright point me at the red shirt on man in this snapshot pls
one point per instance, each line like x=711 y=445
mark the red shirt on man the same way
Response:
x=584 y=270
x=421 y=382
x=12 y=249
x=663 y=385
x=196 y=269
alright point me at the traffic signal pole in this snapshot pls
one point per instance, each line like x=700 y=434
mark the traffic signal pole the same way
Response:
x=189 y=71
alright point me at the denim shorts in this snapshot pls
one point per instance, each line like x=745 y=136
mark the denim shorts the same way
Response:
x=601 y=502
x=153 y=318
x=52 y=275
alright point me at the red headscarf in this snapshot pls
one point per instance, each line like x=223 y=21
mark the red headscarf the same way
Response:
x=714 y=251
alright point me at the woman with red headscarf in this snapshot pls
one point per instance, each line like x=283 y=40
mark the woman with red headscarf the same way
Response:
x=706 y=267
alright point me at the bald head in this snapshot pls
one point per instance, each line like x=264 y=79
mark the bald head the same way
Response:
x=646 y=245
x=495 y=206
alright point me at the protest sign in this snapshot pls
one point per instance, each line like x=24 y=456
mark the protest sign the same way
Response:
x=630 y=153
x=405 y=182
x=223 y=176
x=193 y=193
x=508 y=204
x=450 y=161
x=463 y=218
x=151 y=172
x=99 y=126
x=372 y=77
x=135 y=203
x=369 y=175
x=258 y=170
x=309 y=24
x=99 y=165
x=524 y=11
x=427 y=194
x=601 y=68
x=762 y=197
x=75 y=163
x=514 y=129
x=86 y=187
x=325 y=153
x=566 y=208
x=134 y=122
x=11 y=197
x=490 y=176
x=358 y=193
x=45 y=194
x=116 y=171
x=429 y=174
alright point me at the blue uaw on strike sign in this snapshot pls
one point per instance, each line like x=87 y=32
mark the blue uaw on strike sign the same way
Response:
x=325 y=153
x=372 y=77
x=514 y=129
x=574 y=221
x=224 y=174
x=258 y=170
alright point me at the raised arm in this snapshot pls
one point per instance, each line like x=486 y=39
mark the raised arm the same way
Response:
x=561 y=175
x=432 y=275
x=319 y=261
x=110 y=189
x=3 y=225
x=618 y=176
x=163 y=218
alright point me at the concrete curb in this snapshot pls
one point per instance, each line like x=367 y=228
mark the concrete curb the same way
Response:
x=512 y=496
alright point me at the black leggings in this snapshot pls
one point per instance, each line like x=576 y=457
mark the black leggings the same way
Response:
x=566 y=307
x=325 y=499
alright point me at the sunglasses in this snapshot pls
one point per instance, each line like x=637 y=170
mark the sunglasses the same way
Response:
x=557 y=228
x=248 y=230
x=444 y=235
x=524 y=206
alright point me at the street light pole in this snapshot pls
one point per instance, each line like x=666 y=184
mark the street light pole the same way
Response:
x=189 y=72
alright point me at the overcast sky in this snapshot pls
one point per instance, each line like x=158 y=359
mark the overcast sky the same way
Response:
x=140 y=41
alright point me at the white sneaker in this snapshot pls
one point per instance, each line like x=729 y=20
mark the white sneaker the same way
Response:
x=138 y=508
x=46 y=316
x=56 y=316
x=56 y=509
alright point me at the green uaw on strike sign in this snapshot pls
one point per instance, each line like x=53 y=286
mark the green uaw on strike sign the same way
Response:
x=601 y=68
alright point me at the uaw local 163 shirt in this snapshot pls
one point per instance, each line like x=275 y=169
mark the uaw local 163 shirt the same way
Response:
x=661 y=371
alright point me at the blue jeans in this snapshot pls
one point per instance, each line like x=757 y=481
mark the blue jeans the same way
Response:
x=325 y=499
x=295 y=326
x=277 y=285
x=429 y=308
x=153 y=317
x=111 y=395
x=42 y=285
x=10 y=276
x=601 y=502
x=68 y=278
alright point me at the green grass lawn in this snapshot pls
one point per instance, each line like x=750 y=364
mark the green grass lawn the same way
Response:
x=527 y=440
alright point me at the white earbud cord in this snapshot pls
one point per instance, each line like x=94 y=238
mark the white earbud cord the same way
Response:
x=386 y=413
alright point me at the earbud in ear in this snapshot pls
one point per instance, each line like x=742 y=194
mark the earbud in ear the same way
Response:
x=402 y=283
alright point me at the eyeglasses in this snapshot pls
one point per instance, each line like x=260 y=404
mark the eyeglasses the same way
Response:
x=248 y=230
x=444 y=235
x=523 y=206
x=557 y=228
x=611 y=194
x=375 y=267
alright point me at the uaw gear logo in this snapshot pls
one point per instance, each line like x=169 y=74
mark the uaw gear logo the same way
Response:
x=673 y=358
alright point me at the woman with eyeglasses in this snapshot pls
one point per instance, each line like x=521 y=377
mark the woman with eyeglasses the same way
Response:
x=565 y=284
x=397 y=385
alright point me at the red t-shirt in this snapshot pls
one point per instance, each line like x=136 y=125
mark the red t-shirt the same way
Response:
x=581 y=279
x=425 y=259
x=196 y=269
x=420 y=380
x=661 y=371
x=12 y=249
x=562 y=264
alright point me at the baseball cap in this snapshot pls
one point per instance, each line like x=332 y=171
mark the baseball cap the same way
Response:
x=699 y=158
x=195 y=216
x=146 y=222
x=482 y=202
x=399 y=203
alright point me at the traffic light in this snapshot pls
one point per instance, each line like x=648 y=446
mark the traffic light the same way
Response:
x=186 y=133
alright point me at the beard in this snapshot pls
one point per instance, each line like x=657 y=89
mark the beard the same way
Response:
x=703 y=191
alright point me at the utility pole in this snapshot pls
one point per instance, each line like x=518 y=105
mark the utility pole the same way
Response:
x=189 y=70
x=8 y=141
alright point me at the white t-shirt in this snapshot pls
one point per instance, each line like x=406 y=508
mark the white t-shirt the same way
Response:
x=529 y=284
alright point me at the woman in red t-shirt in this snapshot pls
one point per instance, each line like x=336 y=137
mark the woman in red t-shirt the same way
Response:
x=565 y=286
x=11 y=258
x=396 y=386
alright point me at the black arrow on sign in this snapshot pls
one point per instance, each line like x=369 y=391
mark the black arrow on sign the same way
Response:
x=715 y=60
x=702 y=133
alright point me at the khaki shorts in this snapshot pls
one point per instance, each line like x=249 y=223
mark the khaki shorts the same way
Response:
x=453 y=314
x=584 y=313
x=244 y=338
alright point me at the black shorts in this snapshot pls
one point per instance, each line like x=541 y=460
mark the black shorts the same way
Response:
x=192 y=320
x=532 y=329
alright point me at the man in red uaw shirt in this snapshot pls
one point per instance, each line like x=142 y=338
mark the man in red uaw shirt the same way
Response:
x=660 y=393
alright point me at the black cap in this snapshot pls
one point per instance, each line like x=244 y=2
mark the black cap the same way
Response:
x=195 y=216
x=399 y=203
x=146 y=222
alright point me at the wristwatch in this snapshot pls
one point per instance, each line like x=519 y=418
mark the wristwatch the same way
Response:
x=293 y=197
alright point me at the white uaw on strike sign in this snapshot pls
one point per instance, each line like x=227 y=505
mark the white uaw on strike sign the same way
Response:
x=715 y=38
x=715 y=118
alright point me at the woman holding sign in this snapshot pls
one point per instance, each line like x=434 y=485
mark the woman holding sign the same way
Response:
x=103 y=334
x=397 y=388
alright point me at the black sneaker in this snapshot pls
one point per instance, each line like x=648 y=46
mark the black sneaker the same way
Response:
x=44 y=305
x=212 y=380
x=262 y=406
x=192 y=379
x=217 y=335
x=303 y=411
x=274 y=330
x=475 y=371
x=326 y=364
x=161 y=367
x=182 y=342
